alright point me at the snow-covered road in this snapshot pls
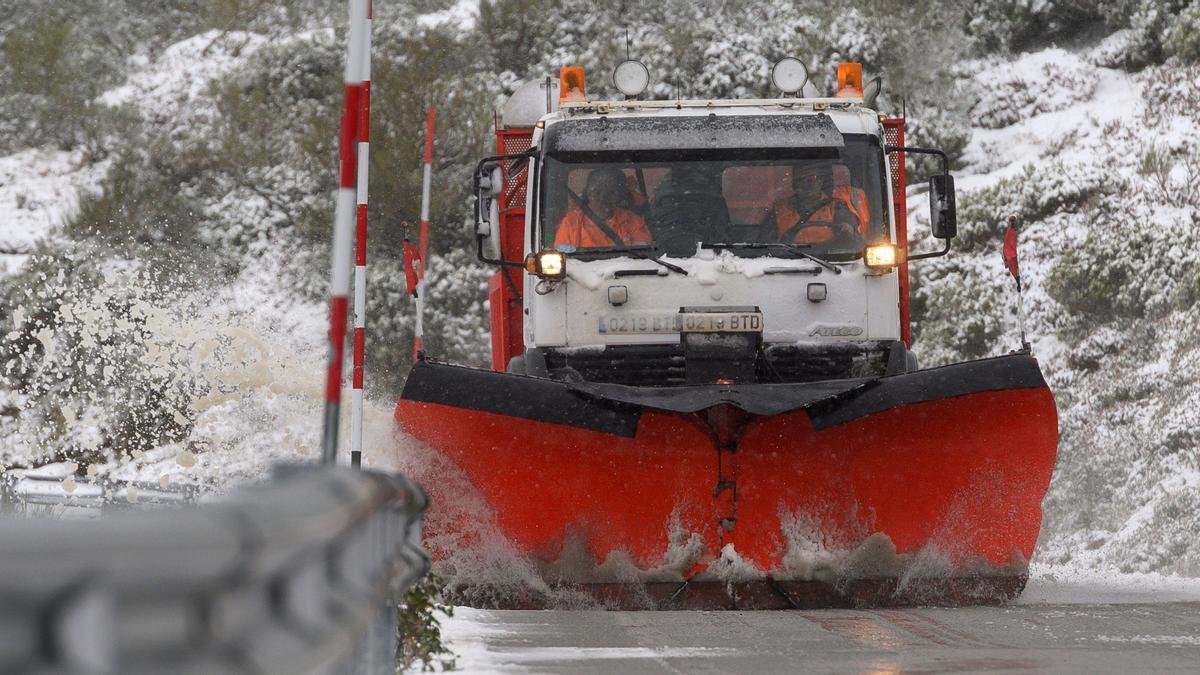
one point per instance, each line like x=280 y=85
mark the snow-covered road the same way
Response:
x=1129 y=624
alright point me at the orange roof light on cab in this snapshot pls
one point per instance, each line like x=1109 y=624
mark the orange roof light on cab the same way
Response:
x=850 y=82
x=571 y=84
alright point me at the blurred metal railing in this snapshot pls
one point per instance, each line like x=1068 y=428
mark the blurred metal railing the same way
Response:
x=90 y=495
x=298 y=575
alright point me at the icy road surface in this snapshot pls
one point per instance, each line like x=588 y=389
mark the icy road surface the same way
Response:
x=1071 y=626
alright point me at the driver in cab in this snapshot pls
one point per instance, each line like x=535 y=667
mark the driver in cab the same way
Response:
x=599 y=219
x=823 y=206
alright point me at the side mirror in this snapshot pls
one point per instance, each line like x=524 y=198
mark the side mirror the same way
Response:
x=943 y=219
x=488 y=183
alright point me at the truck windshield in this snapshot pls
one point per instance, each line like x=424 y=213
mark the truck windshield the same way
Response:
x=828 y=201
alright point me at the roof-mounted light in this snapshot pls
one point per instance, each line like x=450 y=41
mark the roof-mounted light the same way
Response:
x=571 y=85
x=850 y=82
x=789 y=75
x=631 y=78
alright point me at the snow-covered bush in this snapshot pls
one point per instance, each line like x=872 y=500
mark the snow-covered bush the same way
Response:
x=49 y=80
x=1017 y=25
x=1143 y=28
x=1129 y=270
x=1124 y=492
x=1184 y=38
x=1170 y=91
x=932 y=126
x=1047 y=81
x=1036 y=194
x=142 y=205
x=958 y=311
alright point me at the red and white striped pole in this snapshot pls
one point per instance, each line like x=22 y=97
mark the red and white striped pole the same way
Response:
x=360 y=268
x=419 y=332
x=343 y=231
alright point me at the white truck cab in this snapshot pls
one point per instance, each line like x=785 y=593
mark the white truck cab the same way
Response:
x=761 y=234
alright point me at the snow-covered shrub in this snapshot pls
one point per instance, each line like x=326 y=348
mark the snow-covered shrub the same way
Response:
x=464 y=100
x=734 y=64
x=1172 y=176
x=957 y=308
x=934 y=126
x=458 y=322
x=270 y=152
x=1091 y=352
x=418 y=630
x=1018 y=25
x=49 y=81
x=1121 y=49
x=1184 y=38
x=1045 y=81
x=1037 y=194
x=140 y=206
x=1171 y=91
x=1143 y=28
x=1134 y=264
x=1124 y=492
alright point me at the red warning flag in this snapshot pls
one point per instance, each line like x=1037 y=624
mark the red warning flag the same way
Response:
x=1010 y=252
x=410 y=267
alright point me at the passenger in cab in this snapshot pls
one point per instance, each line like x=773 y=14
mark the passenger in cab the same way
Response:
x=824 y=205
x=599 y=219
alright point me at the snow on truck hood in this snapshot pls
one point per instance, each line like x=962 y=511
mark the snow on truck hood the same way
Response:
x=703 y=269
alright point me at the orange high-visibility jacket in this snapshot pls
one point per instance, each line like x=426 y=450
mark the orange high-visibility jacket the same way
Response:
x=577 y=230
x=786 y=215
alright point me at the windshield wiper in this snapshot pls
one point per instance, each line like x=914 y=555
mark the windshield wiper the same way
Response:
x=798 y=249
x=621 y=246
x=635 y=251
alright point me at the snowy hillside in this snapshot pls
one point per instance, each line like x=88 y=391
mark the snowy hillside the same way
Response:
x=1101 y=166
x=161 y=286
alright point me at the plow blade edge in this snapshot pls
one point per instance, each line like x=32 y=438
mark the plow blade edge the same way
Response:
x=923 y=487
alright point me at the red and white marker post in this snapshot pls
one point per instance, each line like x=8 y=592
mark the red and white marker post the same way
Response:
x=360 y=268
x=1014 y=268
x=423 y=258
x=343 y=228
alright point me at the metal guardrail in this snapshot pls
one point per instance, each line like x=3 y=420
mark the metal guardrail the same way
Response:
x=300 y=575
x=19 y=490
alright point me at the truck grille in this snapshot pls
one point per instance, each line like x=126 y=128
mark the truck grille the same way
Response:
x=648 y=365
x=663 y=365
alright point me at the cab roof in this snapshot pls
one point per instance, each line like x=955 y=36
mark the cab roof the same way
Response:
x=847 y=116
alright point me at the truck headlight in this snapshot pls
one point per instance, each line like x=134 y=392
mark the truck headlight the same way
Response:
x=550 y=265
x=880 y=257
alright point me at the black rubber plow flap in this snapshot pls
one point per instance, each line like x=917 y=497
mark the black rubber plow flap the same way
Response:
x=615 y=409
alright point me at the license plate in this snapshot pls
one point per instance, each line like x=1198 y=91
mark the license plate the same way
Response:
x=639 y=325
x=721 y=322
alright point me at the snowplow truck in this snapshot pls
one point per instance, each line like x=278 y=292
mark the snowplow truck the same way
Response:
x=703 y=392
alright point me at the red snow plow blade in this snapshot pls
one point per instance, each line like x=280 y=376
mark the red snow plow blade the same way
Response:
x=916 y=488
